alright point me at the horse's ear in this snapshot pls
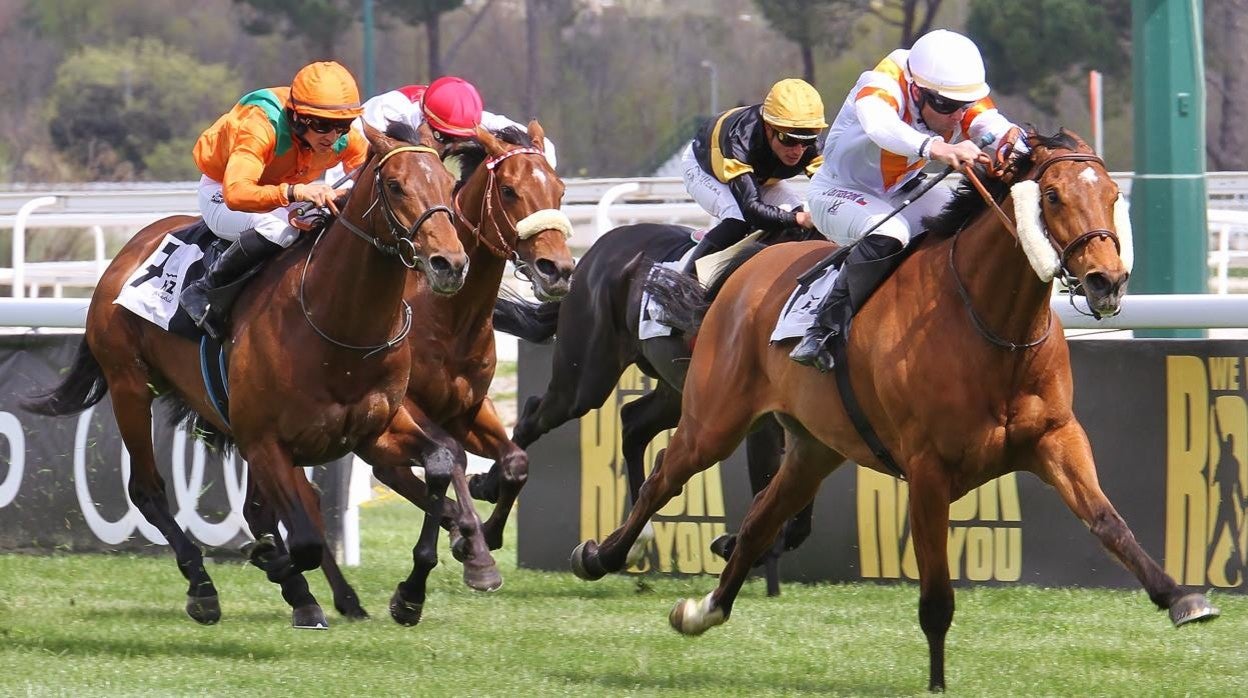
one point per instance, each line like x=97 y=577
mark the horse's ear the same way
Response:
x=1082 y=145
x=537 y=135
x=425 y=132
x=378 y=141
x=486 y=138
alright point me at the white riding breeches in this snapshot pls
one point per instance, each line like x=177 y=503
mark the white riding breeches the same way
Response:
x=228 y=224
x=716 y=198
x=843 y=215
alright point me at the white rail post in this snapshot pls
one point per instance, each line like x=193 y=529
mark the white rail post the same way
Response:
x=19 y=241
x=602 y=213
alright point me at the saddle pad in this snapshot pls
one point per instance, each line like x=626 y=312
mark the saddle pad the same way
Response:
x=798 y=313
x=152 y=291
x=652 y=316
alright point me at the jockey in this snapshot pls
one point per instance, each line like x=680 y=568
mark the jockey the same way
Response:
x=451 y=105
x=261 y=158
x=927 y=103
x=737 y=164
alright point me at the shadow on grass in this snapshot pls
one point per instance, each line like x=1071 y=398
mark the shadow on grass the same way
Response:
x=731 y=684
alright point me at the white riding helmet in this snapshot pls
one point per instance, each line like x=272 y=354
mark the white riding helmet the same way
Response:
x=948 y=64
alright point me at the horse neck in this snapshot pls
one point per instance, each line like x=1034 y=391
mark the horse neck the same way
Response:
x=1003 y=289
x=352 y=290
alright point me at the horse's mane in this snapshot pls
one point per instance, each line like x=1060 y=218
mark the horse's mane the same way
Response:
x=966 y=203
x=471 y=154
x=403 y=131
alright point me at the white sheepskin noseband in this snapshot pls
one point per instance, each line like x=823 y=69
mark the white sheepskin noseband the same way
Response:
x=1031 y=233
x=1122 y=226
x=545 y=219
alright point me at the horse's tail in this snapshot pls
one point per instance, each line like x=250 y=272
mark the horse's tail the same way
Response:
x=81 y=388
x=532 y=322
x=683 y=299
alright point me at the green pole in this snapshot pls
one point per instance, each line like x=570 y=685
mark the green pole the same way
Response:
x=1168 y=194
x=369 y=58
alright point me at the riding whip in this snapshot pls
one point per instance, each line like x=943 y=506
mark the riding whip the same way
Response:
x=811 y=274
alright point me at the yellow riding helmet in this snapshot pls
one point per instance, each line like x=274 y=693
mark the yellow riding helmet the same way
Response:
x=794 y=103
x=325 y=89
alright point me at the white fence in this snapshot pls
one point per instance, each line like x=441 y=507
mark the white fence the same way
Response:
x=593 y=205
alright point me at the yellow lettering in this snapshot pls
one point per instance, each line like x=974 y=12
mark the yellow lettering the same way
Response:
x=688 y=552
x=877 y=529
x=1228 y=465
x=979 y=553
x=1224 y=372
x=957 y=539
x=711 y=563
x=965 y=508
x=1187 y=443
x=1007 y=554
x=665 y=541
x=601 y=473
x=1007 y=488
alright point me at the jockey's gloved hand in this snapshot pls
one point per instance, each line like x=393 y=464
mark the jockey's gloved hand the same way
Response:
x=1008 y=147
x=321 y=195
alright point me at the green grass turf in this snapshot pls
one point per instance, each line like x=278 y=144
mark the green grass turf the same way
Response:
x=84 y=625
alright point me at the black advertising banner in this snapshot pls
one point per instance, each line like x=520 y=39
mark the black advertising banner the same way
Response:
x=63 y=480
x=1168 y=423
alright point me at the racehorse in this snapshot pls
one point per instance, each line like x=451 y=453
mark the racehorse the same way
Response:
x=507 y=202
x=956 y=361
x=317 y=366
x=597 y=339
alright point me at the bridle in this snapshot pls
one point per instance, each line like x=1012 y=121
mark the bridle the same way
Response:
x=1064 y=253
x=402 y=243
x=501 y=249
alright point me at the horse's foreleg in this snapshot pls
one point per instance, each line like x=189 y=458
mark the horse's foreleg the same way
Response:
x=269 y=554
x=1065 y=462
x=929 y=529
x=805 y=465
x=485 y=436
x=640 y=421
x=132 y=407
x=583 y=374
x=295 y=504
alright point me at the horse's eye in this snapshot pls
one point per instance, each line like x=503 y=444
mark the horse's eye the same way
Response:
x=507 y=191
x=394 y=186
x=1051 y=196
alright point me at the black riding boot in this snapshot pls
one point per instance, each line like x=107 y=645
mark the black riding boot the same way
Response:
x=727 y=233
x=870 y=262
x=248 y=252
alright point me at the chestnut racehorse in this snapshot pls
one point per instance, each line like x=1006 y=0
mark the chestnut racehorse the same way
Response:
x=956 y=361
x=317 y=369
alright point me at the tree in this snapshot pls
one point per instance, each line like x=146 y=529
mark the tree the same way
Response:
x=811 y=23
x=543 y=21
x=1226 y=79
x=134 y=110
x=317 y=22
x=1035 y=47
x=428 y=13
x=912 y=17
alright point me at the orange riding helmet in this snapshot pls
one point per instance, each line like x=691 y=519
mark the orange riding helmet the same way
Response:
x=327 y=90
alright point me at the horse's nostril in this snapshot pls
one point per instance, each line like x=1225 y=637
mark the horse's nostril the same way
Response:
x=1097 y=283
x=547 y=268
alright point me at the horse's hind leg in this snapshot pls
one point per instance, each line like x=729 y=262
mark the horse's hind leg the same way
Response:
x=132 y=406
x=805 y=465
x=486 y=436
x=283 y=486
x=1065 y=462
x=641 y=420
x=269 y=554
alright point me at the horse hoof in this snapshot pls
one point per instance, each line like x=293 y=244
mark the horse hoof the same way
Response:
x=255 y=551
x=461 y=547
x=481 y=487
x=691 y=617
x=352 y=611
x=1193 y=608
x=205 y=610
x=722 y=545
x=483 y=577
x=309 y=617
x=584 y=561
x=404 y=612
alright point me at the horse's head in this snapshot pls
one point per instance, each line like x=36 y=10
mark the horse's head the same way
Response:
x=407 y=209
x=1073 y=220
x=511 y=201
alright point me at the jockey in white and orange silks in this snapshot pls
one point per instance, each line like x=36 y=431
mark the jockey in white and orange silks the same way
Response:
x=926 y=103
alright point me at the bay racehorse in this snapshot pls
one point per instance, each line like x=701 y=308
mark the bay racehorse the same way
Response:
x=507 y=210
x=956 y=361
x=597 y=338
x=317 y=367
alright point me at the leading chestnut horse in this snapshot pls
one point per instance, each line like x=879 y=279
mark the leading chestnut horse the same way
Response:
x=957 y=362
x=318 y=368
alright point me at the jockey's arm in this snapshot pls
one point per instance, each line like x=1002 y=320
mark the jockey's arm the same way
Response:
x=241 y=185
x=760 y=215
x=877 y=112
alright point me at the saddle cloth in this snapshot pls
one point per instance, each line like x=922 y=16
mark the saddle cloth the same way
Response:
x=799 y=311
x=652 y=316
x=152 y=291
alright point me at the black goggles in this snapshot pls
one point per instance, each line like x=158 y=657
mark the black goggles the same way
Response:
x=318 y=125
x=943 y=105
x=790 y=140
x=446 y=138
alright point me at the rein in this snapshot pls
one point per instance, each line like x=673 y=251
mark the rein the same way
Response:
x=403 y=242
x=502 y=250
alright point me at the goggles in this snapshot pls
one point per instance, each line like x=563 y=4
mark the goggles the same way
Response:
x=319 y=125
x=943 y=105
x=790 y=140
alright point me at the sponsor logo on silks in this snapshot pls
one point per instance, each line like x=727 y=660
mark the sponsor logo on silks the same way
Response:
x=684 y=528
x=985 y=531
x=1206 y=470
x=847 y=194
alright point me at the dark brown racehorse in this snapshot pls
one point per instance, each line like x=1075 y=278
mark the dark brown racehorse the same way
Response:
x=317 y=367
x=956 y=361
